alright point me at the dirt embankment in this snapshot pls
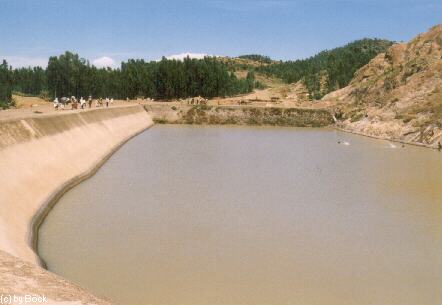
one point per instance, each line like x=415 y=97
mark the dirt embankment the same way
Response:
x=42 y=155
x=240 y=115
x=28 y=101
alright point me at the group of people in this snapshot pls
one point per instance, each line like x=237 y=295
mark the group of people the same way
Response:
x=191 y=100
x=63 y=102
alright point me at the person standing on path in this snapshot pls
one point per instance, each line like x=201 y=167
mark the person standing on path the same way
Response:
x=56 y=103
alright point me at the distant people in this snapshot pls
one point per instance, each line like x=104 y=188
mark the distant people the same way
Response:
x=74 y=102
x=112 y=101
x=82 y=103
x=56 y=103
x=439 y=146
x=89 y=101
x=107 y=102
x=63 y=102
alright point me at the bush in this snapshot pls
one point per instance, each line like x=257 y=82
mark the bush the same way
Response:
x=259 y=85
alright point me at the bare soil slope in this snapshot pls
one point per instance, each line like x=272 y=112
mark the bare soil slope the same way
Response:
x=28 y=101
x=398 y=95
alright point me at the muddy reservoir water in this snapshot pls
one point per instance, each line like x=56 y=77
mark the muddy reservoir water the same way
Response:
x=184 y=215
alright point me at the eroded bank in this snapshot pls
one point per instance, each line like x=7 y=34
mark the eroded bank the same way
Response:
x=240 y=115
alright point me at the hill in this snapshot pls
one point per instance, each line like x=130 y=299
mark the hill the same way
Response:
x=330 y=69
x=257 y=58
x=244 y=64
x=398 y=94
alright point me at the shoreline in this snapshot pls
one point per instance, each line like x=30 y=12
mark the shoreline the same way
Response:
x=71 y=137
x=54 y=198
x=422 y=145
x=42 y=156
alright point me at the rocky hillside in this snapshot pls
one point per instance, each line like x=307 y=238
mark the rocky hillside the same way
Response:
x=398 y=94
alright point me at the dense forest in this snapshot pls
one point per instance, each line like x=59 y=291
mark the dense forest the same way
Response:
x=68 y=75
x=328 y=70
x=5 y=85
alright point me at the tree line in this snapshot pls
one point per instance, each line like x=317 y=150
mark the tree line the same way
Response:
x=5 y=85
x=71 y=75
x=328 y=70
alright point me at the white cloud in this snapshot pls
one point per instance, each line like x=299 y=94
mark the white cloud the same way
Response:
x=103 y=62
x=184 y=55
x=24 y=61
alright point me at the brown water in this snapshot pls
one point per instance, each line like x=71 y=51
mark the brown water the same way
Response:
x=186 y=215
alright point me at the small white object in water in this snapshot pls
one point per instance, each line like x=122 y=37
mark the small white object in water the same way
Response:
x=345 y=143
x=392 y=145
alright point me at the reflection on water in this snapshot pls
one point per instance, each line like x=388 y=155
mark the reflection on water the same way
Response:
x=186 y=215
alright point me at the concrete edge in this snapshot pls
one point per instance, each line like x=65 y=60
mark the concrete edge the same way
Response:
x=52 y=200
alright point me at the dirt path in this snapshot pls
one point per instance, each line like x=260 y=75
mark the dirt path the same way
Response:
x=281 y=95
x=42 y=107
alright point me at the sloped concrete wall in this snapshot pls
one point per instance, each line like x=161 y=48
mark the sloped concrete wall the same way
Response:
x=41 y=156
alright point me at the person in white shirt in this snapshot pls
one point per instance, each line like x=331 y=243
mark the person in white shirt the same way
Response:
x=82 y=103
x=56 y=103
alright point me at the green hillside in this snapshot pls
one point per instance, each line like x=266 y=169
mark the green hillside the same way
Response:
x=328 y=70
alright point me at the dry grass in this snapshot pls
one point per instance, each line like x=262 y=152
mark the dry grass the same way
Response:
x=28 y=101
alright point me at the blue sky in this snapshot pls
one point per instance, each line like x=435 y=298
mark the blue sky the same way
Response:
x=33 y=30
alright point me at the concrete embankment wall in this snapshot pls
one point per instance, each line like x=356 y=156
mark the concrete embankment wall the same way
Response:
x=242 y=115
x=41 y=156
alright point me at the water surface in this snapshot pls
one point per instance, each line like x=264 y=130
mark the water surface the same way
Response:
x=185 y=215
